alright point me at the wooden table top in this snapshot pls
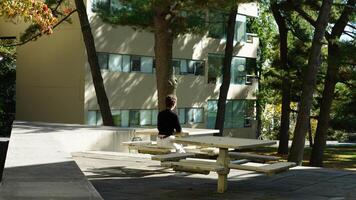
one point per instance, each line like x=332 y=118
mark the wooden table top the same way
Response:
x=190 y=131
x=224 y=142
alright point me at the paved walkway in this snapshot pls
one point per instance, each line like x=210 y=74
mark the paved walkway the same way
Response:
x=38 y=166
x=126 y=176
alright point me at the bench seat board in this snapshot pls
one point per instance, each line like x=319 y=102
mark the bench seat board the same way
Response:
x=152 y=150
x=203 y=167
x=172 y=156
x=268 y=169
x=276 y=167
x=253 y=157
x=240 y=162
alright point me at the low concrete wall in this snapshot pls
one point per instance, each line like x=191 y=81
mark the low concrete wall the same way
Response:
x=98 y=139
x=73 y=137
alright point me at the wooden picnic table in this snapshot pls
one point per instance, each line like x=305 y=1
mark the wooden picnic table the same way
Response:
x=223 y=143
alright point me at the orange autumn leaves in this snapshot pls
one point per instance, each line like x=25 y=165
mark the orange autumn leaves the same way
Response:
x=34 y=11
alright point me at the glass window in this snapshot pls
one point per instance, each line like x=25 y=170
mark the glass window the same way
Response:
x=183 y=67
x=240 y=28
x=212 y=111
x=191 y=66
x=115 y=62
x=134 y=118
x=198 y=115
x=181 y=115
x=251 y=66
x=124 y=118
x=194 y=115
x=228 y=122
x=145 y=117
x=176 y=66
x=238 y=70
x=116 y=115
x=125 y=63
x=190 y=115
x=215 y=62
x=103 y=60
x=91 y=118
x=146 y=64
x=238 y=111
x=217 y=22
x=199 y=68
x=99 y=120
x=154 y=117
x=135 y=63
x=250 y=112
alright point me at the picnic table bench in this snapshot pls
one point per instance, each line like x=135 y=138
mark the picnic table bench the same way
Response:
x=147 y=147
x=253 y=157
x=268 y=169
x=172 y=156
x=223 y=162
x=219 y=148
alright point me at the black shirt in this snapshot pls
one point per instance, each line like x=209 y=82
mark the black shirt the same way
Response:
x=167 y=122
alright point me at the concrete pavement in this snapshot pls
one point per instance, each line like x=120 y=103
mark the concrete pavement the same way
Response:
x=126 y=176
x=40 y=165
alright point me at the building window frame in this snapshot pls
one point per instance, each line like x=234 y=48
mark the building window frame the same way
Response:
x=244 y=119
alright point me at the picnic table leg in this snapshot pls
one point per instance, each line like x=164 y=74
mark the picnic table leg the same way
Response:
x=223 y=160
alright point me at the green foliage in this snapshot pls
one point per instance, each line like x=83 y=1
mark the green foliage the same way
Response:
x=7 y=87
x=182 y=18
x=299 y=41
x=339 y=136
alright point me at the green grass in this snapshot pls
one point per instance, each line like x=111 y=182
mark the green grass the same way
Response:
x=340 y=157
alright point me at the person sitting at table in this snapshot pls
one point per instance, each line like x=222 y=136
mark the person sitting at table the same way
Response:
x=168 y=125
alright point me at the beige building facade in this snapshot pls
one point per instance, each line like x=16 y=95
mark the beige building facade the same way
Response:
x=54 y=81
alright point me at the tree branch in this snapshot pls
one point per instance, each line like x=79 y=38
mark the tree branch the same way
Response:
x=40 y=34
x=342 y=21
x=58 y=4
x=350 y=25
x=309 y=19
x=349 y=34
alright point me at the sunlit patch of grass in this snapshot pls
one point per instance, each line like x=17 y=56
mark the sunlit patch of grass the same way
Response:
x=338 y=157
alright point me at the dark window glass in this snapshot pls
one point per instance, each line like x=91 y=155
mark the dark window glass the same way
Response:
x=251 y=66
x=238 y=113
x=199 y=68
x=103 y=59
x=215 y=67
x=217 y=25
x=134 y=118
x=176 y=66
x=135 y=63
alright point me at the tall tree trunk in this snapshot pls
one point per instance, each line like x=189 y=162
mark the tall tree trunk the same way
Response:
x=258 y=107
x=310 y=134
x=94 y=64
x=166 y=82
x=226 y=71
x=309 y=82
x=283 y=53
x=317 y=155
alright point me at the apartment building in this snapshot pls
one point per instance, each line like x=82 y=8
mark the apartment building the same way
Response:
x=54 y=82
